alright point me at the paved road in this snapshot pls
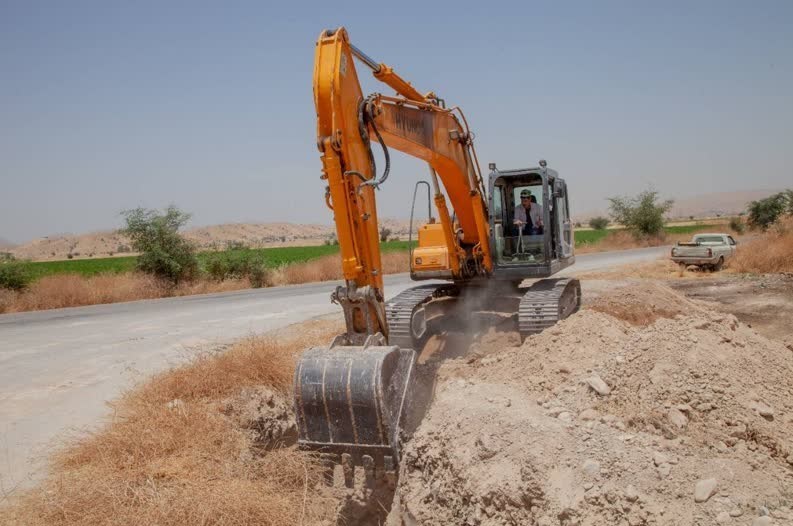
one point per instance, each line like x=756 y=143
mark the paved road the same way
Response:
x=58 y=368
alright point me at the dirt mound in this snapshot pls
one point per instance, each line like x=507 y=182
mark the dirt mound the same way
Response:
x=678 y=415
x=642 y=304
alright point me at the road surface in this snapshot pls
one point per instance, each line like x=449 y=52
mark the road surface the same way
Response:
x=58 y=368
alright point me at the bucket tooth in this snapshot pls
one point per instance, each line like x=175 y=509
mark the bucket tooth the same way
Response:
x=328 y=461
x=389 y=468
x=368 y=469
x=348 y=468
x=379 y=469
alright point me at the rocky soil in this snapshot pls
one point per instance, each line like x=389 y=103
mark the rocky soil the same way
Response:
x=646 y=408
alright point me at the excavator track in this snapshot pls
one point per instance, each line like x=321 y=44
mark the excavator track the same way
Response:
x=547 y=302
x=406 y=315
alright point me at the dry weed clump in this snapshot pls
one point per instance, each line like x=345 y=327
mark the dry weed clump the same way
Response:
x=73 y=290
x=770 y=252
x=170 y=456
x=328 y=268
x=623 y=240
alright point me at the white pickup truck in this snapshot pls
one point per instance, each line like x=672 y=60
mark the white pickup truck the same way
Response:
x=705 y=251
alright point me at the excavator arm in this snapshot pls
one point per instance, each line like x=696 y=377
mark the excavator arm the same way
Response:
x=418 y=125
x=349 y=397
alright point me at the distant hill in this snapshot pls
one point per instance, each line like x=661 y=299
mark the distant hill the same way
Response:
x=215 y=237
x=5 y=244
x=703 y=205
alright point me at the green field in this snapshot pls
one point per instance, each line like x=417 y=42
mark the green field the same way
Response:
x=277 y=257
x=273 y=258
x=585 y=237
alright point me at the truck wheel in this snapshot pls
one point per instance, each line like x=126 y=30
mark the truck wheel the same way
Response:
x=718 y=266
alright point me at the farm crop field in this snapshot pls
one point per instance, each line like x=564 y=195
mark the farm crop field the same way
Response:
x=273 y=258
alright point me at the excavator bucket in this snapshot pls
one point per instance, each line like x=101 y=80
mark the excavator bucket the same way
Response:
x=349 y=400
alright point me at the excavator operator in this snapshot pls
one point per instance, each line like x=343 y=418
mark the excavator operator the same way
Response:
x=528 y=214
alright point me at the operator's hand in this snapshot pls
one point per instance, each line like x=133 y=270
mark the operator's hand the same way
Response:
x=519 y=222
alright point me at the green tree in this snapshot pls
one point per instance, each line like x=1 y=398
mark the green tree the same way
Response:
x=14 y=274
x=163 y=251
x=599 y=223
x=643 y=215
x=736 y=225
x=384 y=233
x=764 y=212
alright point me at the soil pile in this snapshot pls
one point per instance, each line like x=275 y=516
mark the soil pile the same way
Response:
x=651 y=409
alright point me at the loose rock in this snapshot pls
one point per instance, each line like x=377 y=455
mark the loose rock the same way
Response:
x=631 y=494
x=677 y=418
x=598 y=385
x=704 y=490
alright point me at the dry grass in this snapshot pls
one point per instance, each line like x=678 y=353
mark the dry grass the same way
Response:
x=70 y=290
x=623 y=240
x=186 y=463
x=73 y=290
x=328 y=268
x=770 y=252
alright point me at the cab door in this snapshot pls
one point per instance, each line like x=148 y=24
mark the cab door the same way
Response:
x=563 y=226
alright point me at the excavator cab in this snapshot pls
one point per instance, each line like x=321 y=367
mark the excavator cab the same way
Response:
x=543 y=244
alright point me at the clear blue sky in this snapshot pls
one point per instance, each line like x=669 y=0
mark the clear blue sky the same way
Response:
x=110 y=105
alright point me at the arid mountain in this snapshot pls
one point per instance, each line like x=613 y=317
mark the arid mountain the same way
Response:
x=215 y=237
x=704 y=205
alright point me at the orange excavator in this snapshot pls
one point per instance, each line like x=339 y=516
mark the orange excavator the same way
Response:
x=351 y=396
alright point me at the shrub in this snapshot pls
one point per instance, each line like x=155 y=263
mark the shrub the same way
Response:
x=238 y=264
x=764 y=212
x=14 y=274
x=643 y=215
x=599 y=223
x=236 y=245
x=384 y=233
x=736 y=225
x=163 y=251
